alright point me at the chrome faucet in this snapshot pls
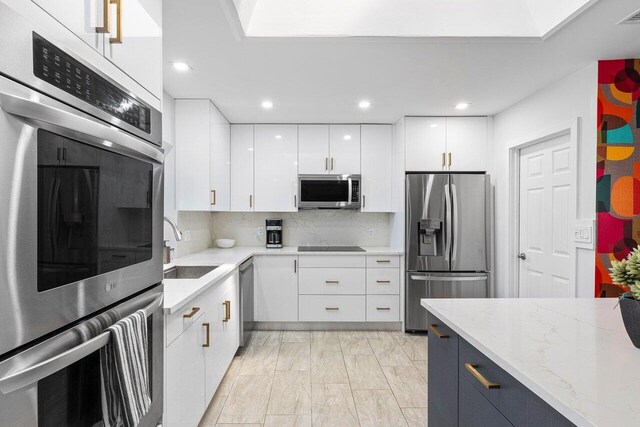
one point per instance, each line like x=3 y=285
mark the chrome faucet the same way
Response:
x=173 y=225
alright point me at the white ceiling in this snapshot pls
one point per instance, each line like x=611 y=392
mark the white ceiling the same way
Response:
x=322 y=79
x=405 y=18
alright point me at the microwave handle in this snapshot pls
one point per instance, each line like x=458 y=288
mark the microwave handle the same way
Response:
x=75 y=125
x=31 y=374
x=350 y=190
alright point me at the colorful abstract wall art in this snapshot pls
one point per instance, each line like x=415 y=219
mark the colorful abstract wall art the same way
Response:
x=618 y=167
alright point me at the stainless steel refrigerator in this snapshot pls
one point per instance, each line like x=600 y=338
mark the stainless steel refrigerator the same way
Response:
x=447 y=240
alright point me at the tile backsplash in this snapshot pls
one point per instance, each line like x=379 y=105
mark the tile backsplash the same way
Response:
x=196 y=232
x=314 y=227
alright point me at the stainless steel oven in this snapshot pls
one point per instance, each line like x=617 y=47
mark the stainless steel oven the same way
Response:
x=82 y=188
x=329 y=191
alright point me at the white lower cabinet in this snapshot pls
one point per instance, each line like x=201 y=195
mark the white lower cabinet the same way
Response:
x=383 y=281
x=276 y=288
x=332 y=308
x=332 y=281
x=383 y=308
x=201 y=341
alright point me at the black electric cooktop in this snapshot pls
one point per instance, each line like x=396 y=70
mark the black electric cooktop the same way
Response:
x=330 y=249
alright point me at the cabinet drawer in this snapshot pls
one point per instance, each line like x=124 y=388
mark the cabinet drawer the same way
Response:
x=349 y=261
x=475 y=410
x=516 y=402
x=176 y=323
x=332 y=308
x=383 y=308
x=383 y=281
x=324 y=281
x=442 y=373
x=384 y=261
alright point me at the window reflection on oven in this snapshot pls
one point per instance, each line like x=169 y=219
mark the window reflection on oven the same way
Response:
x=94 y=211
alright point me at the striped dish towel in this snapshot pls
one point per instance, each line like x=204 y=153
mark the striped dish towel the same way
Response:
x=124 y=370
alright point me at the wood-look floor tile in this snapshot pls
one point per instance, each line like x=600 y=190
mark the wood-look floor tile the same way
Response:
x=416 y=417
x=421 y=366
x=353 y=344
x=210 y=417
x=365 y=372
x=230 y=376
x=378 y=408
x=296 y=336
x=294 y=356
x=259 y=360
x=408 y=386
x=248 y=400
x=333 y=406
x=327 y=367
x=290 y=393
x=287 y=421
x=389 y=353
x=265 y=338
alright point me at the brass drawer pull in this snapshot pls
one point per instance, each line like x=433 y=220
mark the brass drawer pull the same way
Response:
x=118 y=38
x=332 y=282
x=485 y=382
x=383 y=281
x=105 y=18
x=383 y=261
x=250 y=200
x=332 y=308
x=213 y=197
x=449 y=159
x=227 y=310
x=194 y=310
x=443 y=160
x=439 y=334
x=207 y=341
x=383 y=308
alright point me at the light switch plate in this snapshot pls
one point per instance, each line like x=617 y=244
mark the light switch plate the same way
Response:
x=584 y=233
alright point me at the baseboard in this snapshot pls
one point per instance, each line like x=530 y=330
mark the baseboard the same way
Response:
x=327 y=326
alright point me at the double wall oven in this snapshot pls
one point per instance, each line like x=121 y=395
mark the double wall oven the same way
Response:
x=80 y=228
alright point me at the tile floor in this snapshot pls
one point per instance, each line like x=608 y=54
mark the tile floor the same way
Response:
x=324 y=378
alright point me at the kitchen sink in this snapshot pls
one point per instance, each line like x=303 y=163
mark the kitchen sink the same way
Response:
x=188 y=271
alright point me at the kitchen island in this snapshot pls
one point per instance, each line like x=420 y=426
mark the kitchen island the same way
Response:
x=531 y=362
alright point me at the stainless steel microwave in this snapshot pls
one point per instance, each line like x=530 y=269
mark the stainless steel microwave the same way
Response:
x=329 y=191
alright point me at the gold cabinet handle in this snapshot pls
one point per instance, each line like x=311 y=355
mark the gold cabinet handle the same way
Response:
x=450 y=159
x=194 y=310
x=473 y=368
x=295 y=265
x=105 y=17
x=295 y=200
x=213 y=197
x=383 y=261
x=332 y=282
x=332 y=308
x=250 y=201
x=439 y=334
x=227 y=310
x=383 y=308
x=364 y=201
x=326 y=163
x=118 y=38
x=383 y=282
x=332 y=163
x=207 y=327
x=443 y=159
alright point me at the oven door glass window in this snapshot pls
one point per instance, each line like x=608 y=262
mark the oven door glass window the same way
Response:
x=324 y=191
x=94 y=211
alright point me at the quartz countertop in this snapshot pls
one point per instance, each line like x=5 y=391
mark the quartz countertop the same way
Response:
x=573 y=353
x=178 y=292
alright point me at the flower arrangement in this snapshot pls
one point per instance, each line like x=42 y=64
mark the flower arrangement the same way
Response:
x=627 y=273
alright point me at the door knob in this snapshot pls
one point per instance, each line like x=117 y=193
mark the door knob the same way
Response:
x=522 y=255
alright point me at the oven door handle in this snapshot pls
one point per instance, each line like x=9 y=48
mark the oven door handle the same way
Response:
x=109 y=136
x=34 y=373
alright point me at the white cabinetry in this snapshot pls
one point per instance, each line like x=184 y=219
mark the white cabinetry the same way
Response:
x=313 y=149
x=344 y=142
x=202 y=156
x=242 y=168
x=276 y=168
x=456 y=144
x=276 y=292
x=81 y=18
x=377 y=168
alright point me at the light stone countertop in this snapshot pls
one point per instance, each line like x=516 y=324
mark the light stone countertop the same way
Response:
x=178 y=292
x=573 y=353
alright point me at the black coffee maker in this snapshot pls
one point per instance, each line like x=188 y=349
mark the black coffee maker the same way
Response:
x=274 y=233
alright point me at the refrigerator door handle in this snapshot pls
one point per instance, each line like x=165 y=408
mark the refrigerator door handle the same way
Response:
x=456 y=217
x=447 y=208
x=449 y=278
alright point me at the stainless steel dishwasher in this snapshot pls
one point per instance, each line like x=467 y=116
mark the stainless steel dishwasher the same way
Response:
x=246 y=300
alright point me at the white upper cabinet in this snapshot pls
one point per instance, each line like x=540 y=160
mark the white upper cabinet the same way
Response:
x=344 y=144
x=134 y=43
x=467 y=144
x=242 y=168
x=192 y=155
x=276 y=168
x=426 y=143
x=377 y=158
x=220 y=162
x=83 y=18
x=313 y=149
x=457 y=144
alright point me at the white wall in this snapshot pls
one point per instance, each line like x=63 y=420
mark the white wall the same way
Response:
x=572 y=97
x=168 y=144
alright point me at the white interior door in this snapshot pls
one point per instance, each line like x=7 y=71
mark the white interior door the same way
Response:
x=546 y=217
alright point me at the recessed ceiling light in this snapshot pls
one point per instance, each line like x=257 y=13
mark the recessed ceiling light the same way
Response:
x=347 y=137
x=364 y=104
x=267 y=105
x=462 y=105
x=433 y=125
x=181 y=66
x=278 y=136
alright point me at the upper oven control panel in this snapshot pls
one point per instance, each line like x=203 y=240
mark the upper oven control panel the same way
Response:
x=58 y=68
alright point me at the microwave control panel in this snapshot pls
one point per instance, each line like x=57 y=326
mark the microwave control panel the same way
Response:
x=355 y=191
x=56 y=67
